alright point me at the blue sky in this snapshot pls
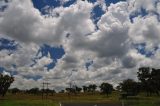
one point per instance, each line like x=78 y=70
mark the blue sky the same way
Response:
x=34 y=46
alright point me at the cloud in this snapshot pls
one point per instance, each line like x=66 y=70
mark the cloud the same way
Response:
x=149 y=5
x=21 y=57
x=31 y=26
x=148 y=31
x=108 y=43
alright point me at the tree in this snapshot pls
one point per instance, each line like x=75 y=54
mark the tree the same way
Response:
x=78 y=89
x=84 y=88
x=118 y=88
x=5 y=82
x=130 y=87
x=52 y=92
x=14 y=90
x=150 y=80
x=71 y=91
x=144 y=76
x=155 y=79
x=106 y=88
x=49 y=91
x=34 y=91
x=62 y=91
x=92 y=88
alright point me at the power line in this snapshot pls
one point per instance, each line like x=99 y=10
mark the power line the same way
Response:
x=45 y=85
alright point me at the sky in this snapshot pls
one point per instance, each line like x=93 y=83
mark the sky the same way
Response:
x=77 y=41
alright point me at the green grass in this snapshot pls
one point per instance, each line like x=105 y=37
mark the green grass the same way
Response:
x=27 y=103
x=36 y=100
x=143 y=101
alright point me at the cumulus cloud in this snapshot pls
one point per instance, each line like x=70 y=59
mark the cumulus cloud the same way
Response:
x=146 y=30
x=148 y=5
x=31 y=26
x=109 y=46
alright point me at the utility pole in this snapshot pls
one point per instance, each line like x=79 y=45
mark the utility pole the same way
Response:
x=42 y=90
x=47 y=89
x=45 y=85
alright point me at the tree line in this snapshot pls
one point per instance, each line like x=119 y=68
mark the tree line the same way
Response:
x=105 y=88
x=148 y=81
x=34 y=91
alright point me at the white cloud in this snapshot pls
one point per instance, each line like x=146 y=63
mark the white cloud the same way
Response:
x=110 y=46
x=146 y=29
x=148 y=5
x=30 y=26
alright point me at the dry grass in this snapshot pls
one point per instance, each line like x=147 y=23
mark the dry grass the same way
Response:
x=36 y=100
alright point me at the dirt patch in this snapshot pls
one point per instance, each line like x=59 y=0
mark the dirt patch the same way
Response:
x=89 y=104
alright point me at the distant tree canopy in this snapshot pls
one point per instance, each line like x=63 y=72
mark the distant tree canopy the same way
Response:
x=15 y=90
x=78 y=89
x=71 y=90
x=106 y=88
x=37 y=91
x=62 y=91
x=85 y=88
x=5 y=82
x=33 y=91
x=150 y=79
x=130 y=87
x=92 y=88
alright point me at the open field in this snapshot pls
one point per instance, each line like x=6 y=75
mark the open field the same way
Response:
x=28 y=103
x=112 y=100
x=142 y=101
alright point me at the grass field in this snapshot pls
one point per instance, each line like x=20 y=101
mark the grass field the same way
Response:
x=36 y=100
x=28 y=103
x=143 y=101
